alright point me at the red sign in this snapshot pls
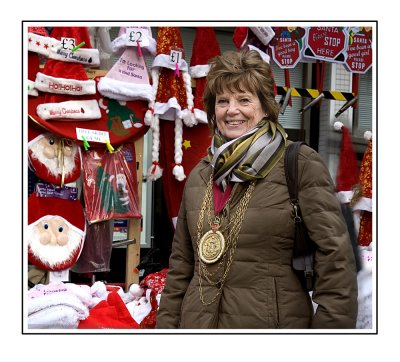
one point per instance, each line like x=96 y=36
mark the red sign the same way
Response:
x=326 y=43
x=286 y=52
x=359 y=54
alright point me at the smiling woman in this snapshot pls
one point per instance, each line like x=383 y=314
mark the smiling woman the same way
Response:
x=230 y=265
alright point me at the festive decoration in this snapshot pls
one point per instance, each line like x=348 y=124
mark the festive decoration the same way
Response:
x=140 y=36
x=359 y=50
x=173 y=97
x=205 y=47
x=363 y=201
x=347 y=171
x=110 y=184
x=56 y=232
x=53 y=158
x=254 y=38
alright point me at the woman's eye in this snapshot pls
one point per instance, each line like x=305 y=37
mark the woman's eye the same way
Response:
x=222 y=101
x=245 y=100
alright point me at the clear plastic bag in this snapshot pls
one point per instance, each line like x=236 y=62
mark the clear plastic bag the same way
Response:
x=110 y=184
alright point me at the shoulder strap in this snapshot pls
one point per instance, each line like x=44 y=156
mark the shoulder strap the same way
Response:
x=291 y=169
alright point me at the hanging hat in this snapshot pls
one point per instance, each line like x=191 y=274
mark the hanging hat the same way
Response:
x=128 y=79
x=67 y=44
x=205 y=47
x=56 y=232
x=254 y=38
x=147 y=42
x=347 y=171
x=52 y=158
x=33 y=69
x=173 y=97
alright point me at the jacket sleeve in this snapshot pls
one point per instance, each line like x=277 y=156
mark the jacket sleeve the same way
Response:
x=335 y=290
x=180 y=273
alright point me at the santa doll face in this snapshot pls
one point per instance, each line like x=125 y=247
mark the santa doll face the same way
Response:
x=53 y=240
x=48 y=151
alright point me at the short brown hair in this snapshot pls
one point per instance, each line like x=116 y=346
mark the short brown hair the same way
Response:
x=239 y=72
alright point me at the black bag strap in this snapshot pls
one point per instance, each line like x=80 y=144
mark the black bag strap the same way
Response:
x=302 y=256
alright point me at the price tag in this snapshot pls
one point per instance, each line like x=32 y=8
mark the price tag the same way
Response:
x=137 y=35
x=175 y=56
x=68 y=43
x=92 y=135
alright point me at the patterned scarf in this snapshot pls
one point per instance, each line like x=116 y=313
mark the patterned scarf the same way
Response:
x=248 y=157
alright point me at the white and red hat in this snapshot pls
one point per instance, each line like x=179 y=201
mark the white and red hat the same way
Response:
x=173 y=97
x=52 y=158
x=51 y=222
x=347 y=170
x=62 y=45
x=66 y=84
x=254 y=38
x=205 y=47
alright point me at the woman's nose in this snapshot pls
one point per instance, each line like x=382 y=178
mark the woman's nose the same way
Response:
x=232 y=107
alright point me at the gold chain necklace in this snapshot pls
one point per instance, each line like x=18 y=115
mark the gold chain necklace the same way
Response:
x=212 y=246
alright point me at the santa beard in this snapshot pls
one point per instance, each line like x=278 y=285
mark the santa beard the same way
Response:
x=53 y=165
x=54 y=255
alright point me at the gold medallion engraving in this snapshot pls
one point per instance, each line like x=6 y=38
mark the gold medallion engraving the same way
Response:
x=211 y=246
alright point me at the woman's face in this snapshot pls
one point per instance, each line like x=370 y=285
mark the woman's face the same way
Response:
x=236 y=113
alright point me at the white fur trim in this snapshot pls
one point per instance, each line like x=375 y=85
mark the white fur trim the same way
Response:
x=168 y=111
x=41 y=44
x=189 y=118
x=178 y=171
x=162 y=60
x=345 y=196
x=32 y=91
x=154 y=172
x=47 y=83
x=338 y=126
x=86 y=56
x=368 y=135
x=200 y=116
x=364 y=203
x=124 y=91
x=79 y=231
x=69 y=109
x=199 y=71
x=264 y=56
x=34 y=140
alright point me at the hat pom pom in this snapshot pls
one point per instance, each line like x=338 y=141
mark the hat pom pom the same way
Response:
x=154 y=172
x=135 y=290
x=178 y=172
x=338 y=126
x=188 y=118
x=368 y=135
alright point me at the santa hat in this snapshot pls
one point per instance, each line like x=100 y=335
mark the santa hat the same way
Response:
x=148 y=43
x=254 y=38
x=65 y=83
x=67 y=44
x=33 y=68
x=65 y=173
x=173 y=97
x=128 y=79
x=111 y=313
x=205 y=47
x=46 y=208
x=347 y=171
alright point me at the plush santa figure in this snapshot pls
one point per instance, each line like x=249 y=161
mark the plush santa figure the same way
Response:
x=56 y=232
x=53 y=159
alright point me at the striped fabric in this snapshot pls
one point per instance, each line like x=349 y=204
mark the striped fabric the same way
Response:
x=248 y=157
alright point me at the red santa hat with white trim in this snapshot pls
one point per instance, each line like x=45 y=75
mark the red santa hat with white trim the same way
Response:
x=66 y=84
x=173 y=97
x=347 y=170
x=53 y=158
x=205 y=47
x=254 y=38
x=56 y=232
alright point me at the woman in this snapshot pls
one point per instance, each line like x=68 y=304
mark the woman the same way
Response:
x=230 y=265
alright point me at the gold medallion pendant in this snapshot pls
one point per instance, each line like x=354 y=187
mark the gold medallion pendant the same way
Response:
x=211 y=246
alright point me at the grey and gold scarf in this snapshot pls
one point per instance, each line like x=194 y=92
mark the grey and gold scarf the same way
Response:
x=248 y=157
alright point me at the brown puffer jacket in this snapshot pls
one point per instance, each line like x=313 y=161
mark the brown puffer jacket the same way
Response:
x=261 y=290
